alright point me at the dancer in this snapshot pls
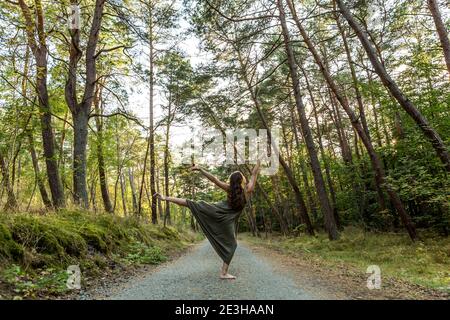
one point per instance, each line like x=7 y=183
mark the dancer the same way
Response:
x=218 y=220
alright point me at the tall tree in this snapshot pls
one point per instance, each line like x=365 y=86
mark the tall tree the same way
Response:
x=29 y=133
x=441 y=30
x=330 y=222
x=376 y=163
x=37 y=41
x=159 y=18
x=394 y=89
x=81 y=109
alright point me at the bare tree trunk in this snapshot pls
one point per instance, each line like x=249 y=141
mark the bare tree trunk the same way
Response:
x=151 y=133
x=160 y=206
x=166 y=168
x=343 y=140
x=133 y=191
x=149 y=198
x=29 y=133
x=80 y=129
x=98 y=105
x=93 y=191
x=309 y=196
x=19 y=173
x=330 y=222
x=36 y=30
x=322 y=149
x=441 y=31
x=61 y=142
x=123 y=193
x=11 y=203
x=37 y=173
x=144 y=171
x=391 y=85
x=325 y=161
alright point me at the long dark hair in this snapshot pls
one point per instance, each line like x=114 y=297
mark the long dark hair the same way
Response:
x=236 y=196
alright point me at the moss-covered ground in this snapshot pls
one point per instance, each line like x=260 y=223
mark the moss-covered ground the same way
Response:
x=36 y=250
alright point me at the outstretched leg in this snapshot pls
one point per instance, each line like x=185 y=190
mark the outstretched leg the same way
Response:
x=224 y=273
x=178 y=201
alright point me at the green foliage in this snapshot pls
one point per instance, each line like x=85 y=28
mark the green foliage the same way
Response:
x=43 y=282
x=143 y=254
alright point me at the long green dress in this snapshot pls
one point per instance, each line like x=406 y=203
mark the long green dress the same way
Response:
x=218 y=223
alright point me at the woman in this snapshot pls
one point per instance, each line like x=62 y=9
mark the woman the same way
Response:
x=218 y=220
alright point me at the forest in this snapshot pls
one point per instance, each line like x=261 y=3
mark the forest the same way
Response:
x=97 y=95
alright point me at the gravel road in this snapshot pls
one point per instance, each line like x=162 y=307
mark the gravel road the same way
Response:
x=196 y=276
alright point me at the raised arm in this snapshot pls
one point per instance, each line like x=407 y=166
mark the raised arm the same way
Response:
x=252 y=183
x=212 y=178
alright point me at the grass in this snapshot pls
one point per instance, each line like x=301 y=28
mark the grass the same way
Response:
x=425 y=263
x=36 y=250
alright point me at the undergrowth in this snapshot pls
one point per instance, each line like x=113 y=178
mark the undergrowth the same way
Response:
x=36 y=250
x=425 y=262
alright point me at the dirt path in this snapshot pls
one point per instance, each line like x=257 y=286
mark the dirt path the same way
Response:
x=195 y=276
x=262 y=273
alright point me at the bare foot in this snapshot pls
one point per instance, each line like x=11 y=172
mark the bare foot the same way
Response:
x=227 y=276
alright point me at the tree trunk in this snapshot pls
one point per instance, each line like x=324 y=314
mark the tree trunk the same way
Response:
x=144 y=171
x=123 y=193
x=322 y=150
x=441 y=31
x=80 y=129
x=326 y=162
x=133 y=191
x=92 y=193
x=391 y=85
x=330 y=223
x=250 y=223
x=100 y=158
x=29 y=133
x=48 y=139
x=159 y=203
x=36 y=30
x=309 y=196
x=37 y=173
x=166 y=170
x=151 y=127
x=11 y=203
